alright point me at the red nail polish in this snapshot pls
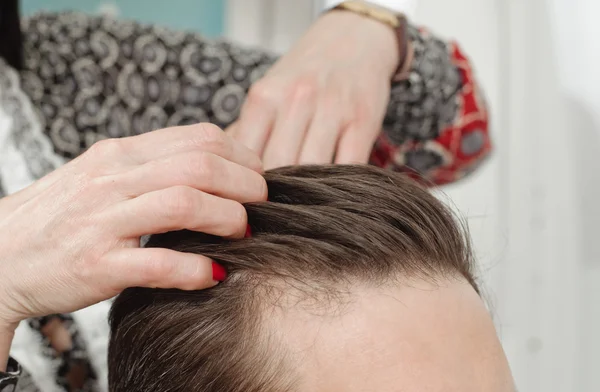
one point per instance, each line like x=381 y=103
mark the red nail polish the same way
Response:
x=219 y=272
x=248 y=232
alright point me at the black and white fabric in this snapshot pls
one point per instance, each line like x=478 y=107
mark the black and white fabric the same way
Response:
x=423 y=104
x=93 y=78
x=8 y=379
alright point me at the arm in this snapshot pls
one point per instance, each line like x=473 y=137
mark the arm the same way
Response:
x=437 y=120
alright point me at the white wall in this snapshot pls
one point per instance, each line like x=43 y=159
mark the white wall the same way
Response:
x=533 y=210
x=576 y=33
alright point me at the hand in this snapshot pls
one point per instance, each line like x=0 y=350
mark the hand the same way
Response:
x=326 y=98
x=72 y=239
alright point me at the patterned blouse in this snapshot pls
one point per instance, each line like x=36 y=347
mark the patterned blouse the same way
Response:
x=88 y=78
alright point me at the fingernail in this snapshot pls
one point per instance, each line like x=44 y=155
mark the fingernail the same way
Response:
x=219 y=272
x=248 y=232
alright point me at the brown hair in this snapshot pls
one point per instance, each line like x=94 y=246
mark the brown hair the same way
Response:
x=323 y=229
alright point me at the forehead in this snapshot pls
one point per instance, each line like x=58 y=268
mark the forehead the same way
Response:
x=414 y=337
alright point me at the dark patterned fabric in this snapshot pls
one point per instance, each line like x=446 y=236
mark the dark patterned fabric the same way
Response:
x=94 y=78
x=8 y=379
x=437 y=124
x=88 y=78
x=426 y=104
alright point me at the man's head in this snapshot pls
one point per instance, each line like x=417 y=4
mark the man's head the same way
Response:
x=354 y=279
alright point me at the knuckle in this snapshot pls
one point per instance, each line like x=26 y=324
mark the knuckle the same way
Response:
x=179 y=204
x=264 y=189
x=205 y=136
x=214 y=139
x=212 y=134
x=277 y=159
x=365 y=113
x=239 y=219
x=106 y=148
x=261 y=93
x=86 y=267
x=304 y=89
x=363 y=116
x=202 y=168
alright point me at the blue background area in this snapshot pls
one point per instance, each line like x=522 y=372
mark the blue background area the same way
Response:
x=206 y=16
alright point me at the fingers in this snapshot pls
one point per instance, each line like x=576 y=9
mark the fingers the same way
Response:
x=283 y=147
x=177 y=208
x=204 y=171
x=256 y=120
x=355 y=145
x=321 y=139
x=156 y=268
x=162 y=143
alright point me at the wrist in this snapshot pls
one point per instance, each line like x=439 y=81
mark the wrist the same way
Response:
x=386 y=45
x=8 y=317
x=7 y=333
x=9 y=321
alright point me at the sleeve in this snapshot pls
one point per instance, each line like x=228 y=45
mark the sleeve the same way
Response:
x=407 y=7
x=95 y=77
x=9 y=379
x=437 y=125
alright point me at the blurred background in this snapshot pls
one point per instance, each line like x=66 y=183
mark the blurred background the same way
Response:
x=533 y=209
x=200 y=15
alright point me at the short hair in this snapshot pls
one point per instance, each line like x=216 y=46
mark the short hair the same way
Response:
x=323 y=229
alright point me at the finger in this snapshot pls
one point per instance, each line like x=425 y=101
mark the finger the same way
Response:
x=321 y=139
x=156 y=268
x=285 y=142
x=355 y=145
x=169 y=141
x=177 y=208
x=255 y=124
x=200 y=170
x=232 y=129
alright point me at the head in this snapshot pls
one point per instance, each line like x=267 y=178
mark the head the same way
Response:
x=354 y=279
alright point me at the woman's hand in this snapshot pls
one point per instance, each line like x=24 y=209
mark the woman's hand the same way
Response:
x=72 y=239
x=326 y=98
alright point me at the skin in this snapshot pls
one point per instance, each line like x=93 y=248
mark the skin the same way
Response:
x=72 y=239
x=415 y=336
x=324 y=101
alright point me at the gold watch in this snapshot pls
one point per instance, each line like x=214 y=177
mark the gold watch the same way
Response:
x=395 y=20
